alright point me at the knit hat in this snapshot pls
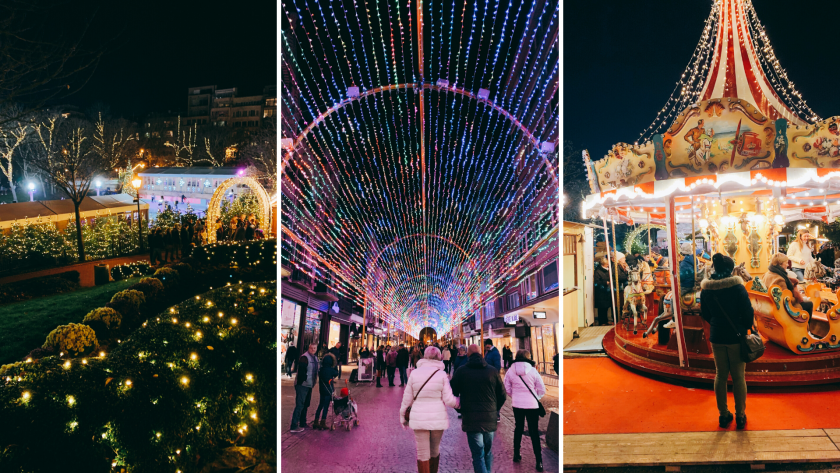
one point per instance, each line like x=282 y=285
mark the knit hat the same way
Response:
x=345 y=392
x=685 y=248
x=722 y=264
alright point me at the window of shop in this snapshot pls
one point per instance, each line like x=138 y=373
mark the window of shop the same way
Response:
x=570 y=282
x=289 y=324
x=312 y=330
x=544 y=347
x=335 y=333
x=550 y=276
x=530 y=288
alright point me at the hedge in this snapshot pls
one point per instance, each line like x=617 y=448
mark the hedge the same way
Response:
x=67 y=281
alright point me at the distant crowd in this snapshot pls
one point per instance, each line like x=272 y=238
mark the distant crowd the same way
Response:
x=173 y=243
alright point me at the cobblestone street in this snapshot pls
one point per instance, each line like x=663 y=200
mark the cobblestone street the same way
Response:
x=380 y=444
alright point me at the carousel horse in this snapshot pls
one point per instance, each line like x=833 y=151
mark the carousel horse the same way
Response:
x=815 y=270
x=634 y=300
x=690 y=299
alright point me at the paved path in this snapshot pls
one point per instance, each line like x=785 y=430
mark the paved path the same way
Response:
x=85 y=270
x=380 y=444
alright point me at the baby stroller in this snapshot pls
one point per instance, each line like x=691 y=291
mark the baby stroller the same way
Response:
x=344 y=410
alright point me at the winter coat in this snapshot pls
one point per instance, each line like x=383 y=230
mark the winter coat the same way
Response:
x=291 y=354
x=239 y=234
x=391 y=358
x=519 y=395
x=458 y=362
x=602 y=288
x=336 y=352
x=731 y=294
x=249 y=232
x=303 y=371
x=326 y=375
x=447 y=355
x=799 y=257
x=493 y=358
x=772 y=279
x=687 y=272
x=482 y=393
x=402 y=358
x=507 y=355
x=428 y=412
x=380 y=360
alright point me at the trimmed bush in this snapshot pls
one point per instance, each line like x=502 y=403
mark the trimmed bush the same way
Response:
x=128 y=303
x=168 y=276
x=41 y=352
x=184 y=269
x=150 y=287
x=38 y=287
x=129 y=270
x=108 y=316
x=73 y=339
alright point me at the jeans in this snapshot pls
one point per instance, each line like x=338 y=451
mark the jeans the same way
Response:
x=533 y=417
x=480 y=447
x=324 y=406
x=800 y=273
x=728 y=361
x=289 y=366
x=303 y=395
x=446 y=365
x=403 y=375
x=392 y=370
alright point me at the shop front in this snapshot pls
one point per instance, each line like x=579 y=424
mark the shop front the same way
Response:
x=290 y=313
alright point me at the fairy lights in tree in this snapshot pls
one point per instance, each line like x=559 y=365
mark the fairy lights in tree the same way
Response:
x=411 y=192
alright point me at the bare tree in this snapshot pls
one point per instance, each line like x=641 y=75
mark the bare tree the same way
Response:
x=219 y=144
x=260 y=154
x=68 y=159
x=114 y=141
x=12 y=136
x=40 y=63
x=184 y=145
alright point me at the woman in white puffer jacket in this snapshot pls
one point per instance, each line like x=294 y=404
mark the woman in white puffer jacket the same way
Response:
x=428 y=411
x=521 y=380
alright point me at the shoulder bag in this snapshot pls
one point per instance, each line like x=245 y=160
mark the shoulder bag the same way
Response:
x=408 y=410
x=540 y=407
x=752 y=346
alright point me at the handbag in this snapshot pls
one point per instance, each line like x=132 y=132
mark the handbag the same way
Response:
x=540 y=407
x=752 y=346
x=408 y=410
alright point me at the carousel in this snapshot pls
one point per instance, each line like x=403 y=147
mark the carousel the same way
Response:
x=740 y=157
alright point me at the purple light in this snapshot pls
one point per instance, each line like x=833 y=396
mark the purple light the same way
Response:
x=241 y=172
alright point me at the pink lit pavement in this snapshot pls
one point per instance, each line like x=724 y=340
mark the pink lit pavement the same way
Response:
x=380 y=444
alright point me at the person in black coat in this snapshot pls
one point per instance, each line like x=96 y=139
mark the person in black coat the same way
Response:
x=325 y=388
x=380 y=365
x=507 y=356
x=290 y=358
x=725 y=295
x=402 y=364
x=249 y=230
x=239 y=233
x=602 y=292
x=338 y=352
x=482 y=394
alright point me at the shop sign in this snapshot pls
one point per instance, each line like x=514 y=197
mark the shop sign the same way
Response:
x=539 y=315
x=512 y=318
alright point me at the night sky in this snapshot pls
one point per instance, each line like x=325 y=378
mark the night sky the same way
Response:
x=622 y=59
x=160 y=48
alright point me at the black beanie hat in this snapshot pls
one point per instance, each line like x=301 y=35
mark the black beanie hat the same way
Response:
x=723 y=264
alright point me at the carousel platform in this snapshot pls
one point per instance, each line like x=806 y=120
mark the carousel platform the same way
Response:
x=778 y=366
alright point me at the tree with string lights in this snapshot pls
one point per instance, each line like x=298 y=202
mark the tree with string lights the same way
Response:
x=12 y=135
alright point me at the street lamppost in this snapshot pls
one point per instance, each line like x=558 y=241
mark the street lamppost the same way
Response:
x=136 y=184
x=32 y=192
x=98 y=186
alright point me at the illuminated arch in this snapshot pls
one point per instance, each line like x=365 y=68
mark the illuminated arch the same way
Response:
x=214 y=210
x=413 y=86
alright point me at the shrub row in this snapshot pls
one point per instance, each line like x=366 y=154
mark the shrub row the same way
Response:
x=130 y=270
x=67 y=281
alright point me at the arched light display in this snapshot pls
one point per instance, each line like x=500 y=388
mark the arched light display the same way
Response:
x=214 y=207
x=420 y=159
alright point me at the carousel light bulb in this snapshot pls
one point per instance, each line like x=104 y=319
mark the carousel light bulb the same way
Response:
x=704 y=223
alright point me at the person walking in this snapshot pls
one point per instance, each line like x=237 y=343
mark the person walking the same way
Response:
x=482 y=394
x=291 y=355
x=460 y=360
x=307 y=377
x=415 y=356
x=391 y=359
x=494 y=359
x=447 y=359
x=428 y=394
x=337 y=353
x=402 y=364
x=524 y=386
x=507 y=356
x=325 y=388
x=725 y=295
x=380 y=365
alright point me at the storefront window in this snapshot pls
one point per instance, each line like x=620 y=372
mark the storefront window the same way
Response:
x=335 y=333
x=289 y=323
x=543 y=347
x=312 y=330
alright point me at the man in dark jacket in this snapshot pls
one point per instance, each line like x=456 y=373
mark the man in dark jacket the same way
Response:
x=603 y=292
x=482 y=394
x=402 y=364
x=307 y=378
x=338 y=352
x=391 y=360
x=291 y=356
x=494 y=359
x=249 y=230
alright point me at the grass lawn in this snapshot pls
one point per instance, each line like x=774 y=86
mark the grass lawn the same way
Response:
x=25 y=325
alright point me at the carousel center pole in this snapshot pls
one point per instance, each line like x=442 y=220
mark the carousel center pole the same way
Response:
x=676 y=299
x=617 y=292
x=693 y=239
x=650 y=248
x=609 y=267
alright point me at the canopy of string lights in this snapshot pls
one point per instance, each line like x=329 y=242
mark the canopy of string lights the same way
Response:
x=418 y=164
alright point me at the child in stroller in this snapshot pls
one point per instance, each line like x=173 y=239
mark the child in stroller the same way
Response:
x=345 y=411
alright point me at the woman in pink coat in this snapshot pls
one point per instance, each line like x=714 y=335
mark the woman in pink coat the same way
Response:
x=430 y=385
x=524 y=386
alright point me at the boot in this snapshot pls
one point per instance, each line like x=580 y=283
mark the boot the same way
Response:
x=423 y=466
x=378 y=382
x=539 y=465
x=434 y=463
x=741 y=421
x=516 y=456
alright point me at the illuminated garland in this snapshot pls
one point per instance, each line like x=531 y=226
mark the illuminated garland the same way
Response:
x=424 y=235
